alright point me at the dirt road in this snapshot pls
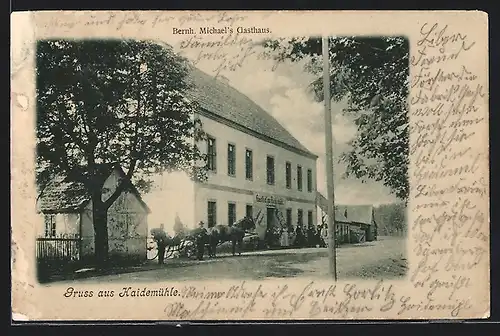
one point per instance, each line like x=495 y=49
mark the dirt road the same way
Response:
x=384 y=258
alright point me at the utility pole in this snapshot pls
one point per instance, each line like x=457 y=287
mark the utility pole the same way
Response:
x=329 y=159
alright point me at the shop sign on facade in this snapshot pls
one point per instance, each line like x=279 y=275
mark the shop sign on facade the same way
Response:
x=269 y=199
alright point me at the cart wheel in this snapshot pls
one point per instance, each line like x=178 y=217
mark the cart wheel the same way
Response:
x=152 y=249
x=192 y=251
x=169 y=251
x=153 y=256
x=183 y=249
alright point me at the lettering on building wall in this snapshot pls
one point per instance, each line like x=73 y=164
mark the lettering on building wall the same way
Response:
x=275 y=200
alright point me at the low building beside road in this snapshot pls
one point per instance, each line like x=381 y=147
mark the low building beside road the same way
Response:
x=67 y=230
x=355 y=223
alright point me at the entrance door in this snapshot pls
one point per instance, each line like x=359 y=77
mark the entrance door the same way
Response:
x=270 y=218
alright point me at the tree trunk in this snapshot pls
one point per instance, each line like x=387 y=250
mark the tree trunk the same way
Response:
x=100 y=219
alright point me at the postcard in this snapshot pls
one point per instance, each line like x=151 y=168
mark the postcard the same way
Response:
x=249 y=165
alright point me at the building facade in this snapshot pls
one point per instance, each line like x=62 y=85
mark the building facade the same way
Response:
x=256 y=167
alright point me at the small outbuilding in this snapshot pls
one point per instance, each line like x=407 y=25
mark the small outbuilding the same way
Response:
x=359 y=219
x=68 y=229
x=354 y=223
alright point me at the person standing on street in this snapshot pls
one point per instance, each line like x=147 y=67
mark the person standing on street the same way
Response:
x=300 y=239
x=161 y=241
x=201 y=239
x=285 y=239
x=324 y=235
x=310 y=236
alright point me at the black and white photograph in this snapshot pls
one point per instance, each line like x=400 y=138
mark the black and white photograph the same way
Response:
x=158 y=164
x=225 y=165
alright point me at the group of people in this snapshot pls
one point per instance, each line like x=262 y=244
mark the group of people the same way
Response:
x=300 y=237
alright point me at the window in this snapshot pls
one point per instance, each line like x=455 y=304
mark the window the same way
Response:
x=212 y=213
x=289 y=218
x=309 y=180
x=50 y=225
x=270 y=170
x=249 y=164
x=211 y=154
x=231 y=213
x=249 y=211
x=299 y=178
x=231 y=160
x=344 y=230
x=309 y=218
x=300 y=218
x=288 y=174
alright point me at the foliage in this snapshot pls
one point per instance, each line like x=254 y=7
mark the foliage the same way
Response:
x=391 y=218
x=371 y=74
x=179 y=227
x=114 y=101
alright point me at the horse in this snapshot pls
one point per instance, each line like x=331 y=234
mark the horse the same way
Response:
x=219 y=234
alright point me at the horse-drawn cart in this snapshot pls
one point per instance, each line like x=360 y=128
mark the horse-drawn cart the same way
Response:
x=181 y=248
x=193 y=243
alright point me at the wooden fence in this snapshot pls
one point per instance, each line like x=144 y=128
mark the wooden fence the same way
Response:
x=58 y=249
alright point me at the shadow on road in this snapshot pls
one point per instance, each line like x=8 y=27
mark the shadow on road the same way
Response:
x=356 y=245
x=383 y=259
x=281 y=271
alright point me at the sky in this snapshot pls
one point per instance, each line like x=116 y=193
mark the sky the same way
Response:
x=282 y=92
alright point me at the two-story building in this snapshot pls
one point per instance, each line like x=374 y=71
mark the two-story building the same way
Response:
x=256 y=167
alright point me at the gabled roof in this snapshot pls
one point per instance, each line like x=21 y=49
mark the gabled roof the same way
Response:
x=340 y=215
x=363 y=214
x=226 y=102
x=66 y=194
x=62 y=195
x=355 y=213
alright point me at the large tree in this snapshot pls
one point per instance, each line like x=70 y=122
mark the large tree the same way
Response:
x=372 y=75
x=113 y=101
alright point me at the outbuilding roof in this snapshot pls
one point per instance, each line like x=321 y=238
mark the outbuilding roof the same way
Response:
x=65 y=193
x=354 y=214
x=363 y=214
x=224 y=101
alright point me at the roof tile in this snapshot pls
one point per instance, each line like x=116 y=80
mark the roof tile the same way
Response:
x=348 y=213
x=64 y=193
x=225 y=101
